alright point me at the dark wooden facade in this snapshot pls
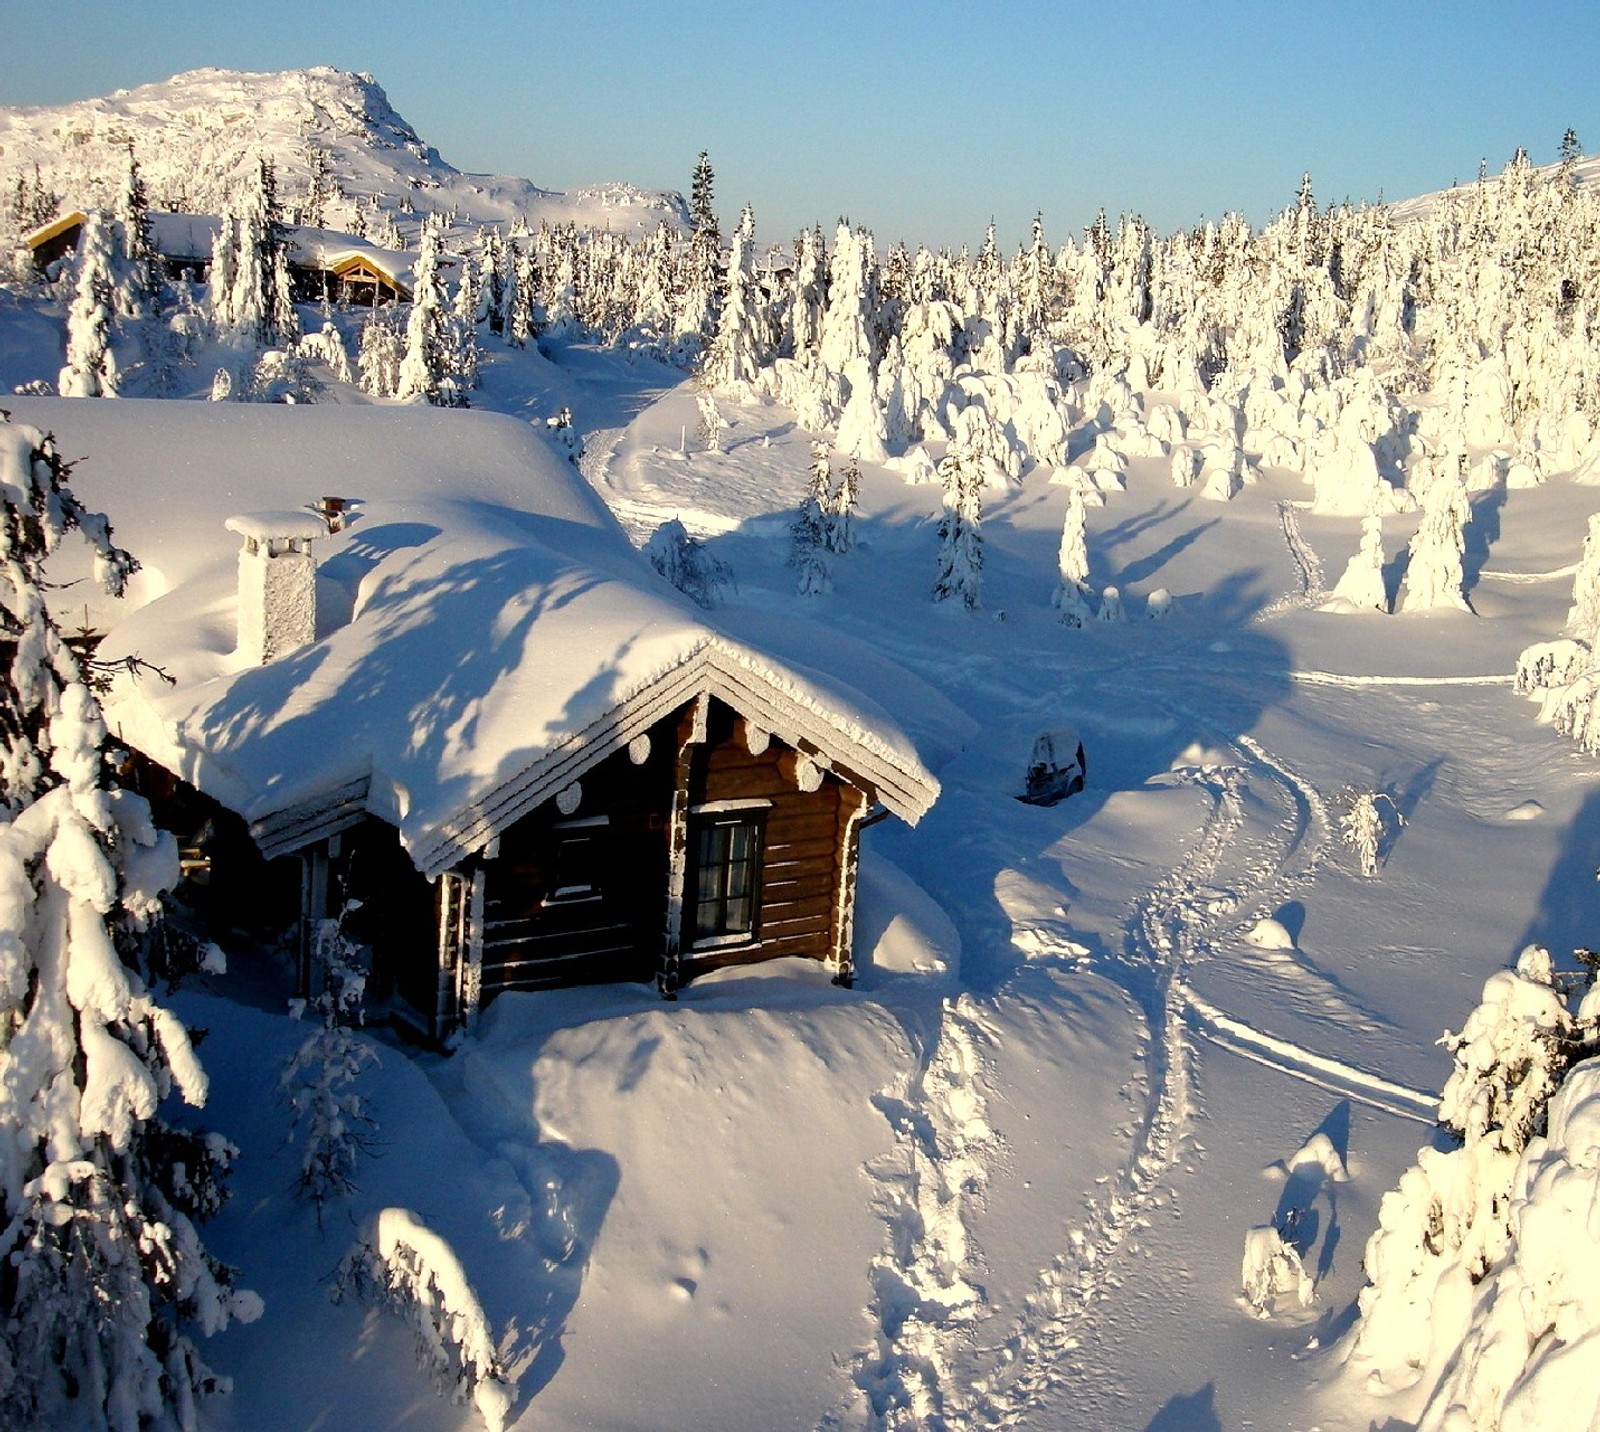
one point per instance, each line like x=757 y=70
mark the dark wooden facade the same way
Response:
x=705 y=844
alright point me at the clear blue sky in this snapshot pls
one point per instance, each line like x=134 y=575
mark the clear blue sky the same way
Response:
x=920 y=120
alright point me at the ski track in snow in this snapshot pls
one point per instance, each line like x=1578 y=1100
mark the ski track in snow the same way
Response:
x=1308 y=567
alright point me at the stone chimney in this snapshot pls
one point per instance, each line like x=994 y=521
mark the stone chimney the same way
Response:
x=277 y=582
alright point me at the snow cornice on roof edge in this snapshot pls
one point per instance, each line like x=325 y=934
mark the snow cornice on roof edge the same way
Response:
x=763 y=692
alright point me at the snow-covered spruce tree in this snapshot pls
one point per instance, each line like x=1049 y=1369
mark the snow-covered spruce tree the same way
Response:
x=842 y=508
x=700 y=286
x=1434 y=576
x=327 y=1112
x=1071 y=597
x=1449 y=1221
x=1361 y=584
x=423 y=366
x=138 y=290
x=1362 y=825
x=103 y=1278
x=738 y=350
x=808 y=534
x=960 y=575
x=684 y=561
x=91 y=369
x=380 y=355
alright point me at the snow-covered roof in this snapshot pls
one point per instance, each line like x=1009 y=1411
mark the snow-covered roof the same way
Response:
x=486 y=633
x=57 y=226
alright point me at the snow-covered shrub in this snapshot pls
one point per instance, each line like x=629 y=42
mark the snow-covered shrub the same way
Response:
x=1449 y=1222
x=684 y=561
x=1548 y=664
x=318 y=1080
x=1271 y=1270
x=405 y=1265
x=105 y=1278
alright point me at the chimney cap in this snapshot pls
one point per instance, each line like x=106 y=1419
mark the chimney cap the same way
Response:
x=286 y=525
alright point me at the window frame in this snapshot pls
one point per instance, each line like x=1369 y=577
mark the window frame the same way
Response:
x=730 y=816
x=592 y=831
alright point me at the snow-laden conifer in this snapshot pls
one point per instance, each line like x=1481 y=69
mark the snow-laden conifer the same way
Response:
x=1449 y=1221
x=425 y=363
x=738 y=350
x=842 y=508
x=1362 y=583
x=91 y=368
x=684 y=561
x=105 y=1278
x=329 y=1116
x=809 y=532
x=1434 y=575
x=960 y=574
x=1071 y=597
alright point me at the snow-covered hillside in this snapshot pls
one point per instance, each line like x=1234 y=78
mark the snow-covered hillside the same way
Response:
x=197 y=134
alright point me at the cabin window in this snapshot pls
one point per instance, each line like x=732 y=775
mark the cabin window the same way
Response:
x=727 y=876
x=578 y=861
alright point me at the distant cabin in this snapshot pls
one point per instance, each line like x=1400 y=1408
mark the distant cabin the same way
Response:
x=323 y=263
x=472 y=716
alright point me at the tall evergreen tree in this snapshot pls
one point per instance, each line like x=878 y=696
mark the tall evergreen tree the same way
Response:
x=425 y=361
x=91 y=370
x=102 y=1274
x=960 y=576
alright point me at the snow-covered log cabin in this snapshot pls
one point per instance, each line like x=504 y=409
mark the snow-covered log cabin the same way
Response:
x=474 y=709
x=342 y=267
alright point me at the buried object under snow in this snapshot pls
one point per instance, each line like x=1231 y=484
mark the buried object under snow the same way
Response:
x=1056 y=769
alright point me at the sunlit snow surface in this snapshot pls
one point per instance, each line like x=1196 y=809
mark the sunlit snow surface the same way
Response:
x=1007 y=1180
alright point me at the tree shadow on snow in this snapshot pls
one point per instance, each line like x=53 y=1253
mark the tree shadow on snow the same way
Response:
x=1481 y=534
x=1569 y=909
x=1196 y=1412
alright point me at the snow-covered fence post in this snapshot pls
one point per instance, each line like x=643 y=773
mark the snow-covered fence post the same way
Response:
x=405 y=1264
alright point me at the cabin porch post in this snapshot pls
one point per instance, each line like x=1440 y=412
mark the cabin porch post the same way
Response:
x=852 y=810
x=313 y=910
x=691 y=735
x=460 y=949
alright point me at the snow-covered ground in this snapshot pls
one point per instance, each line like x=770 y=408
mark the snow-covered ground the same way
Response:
x=1005 y=1182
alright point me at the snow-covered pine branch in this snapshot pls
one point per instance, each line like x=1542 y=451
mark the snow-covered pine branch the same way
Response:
x=403 y=1263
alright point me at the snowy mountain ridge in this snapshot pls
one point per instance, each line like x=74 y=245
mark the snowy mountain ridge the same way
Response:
x=196 y=134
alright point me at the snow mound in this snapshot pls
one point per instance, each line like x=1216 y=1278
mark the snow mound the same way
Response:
x=1270 y=934
x=1526 y=810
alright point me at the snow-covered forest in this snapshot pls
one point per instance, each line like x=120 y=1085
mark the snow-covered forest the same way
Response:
x=1298 y=526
